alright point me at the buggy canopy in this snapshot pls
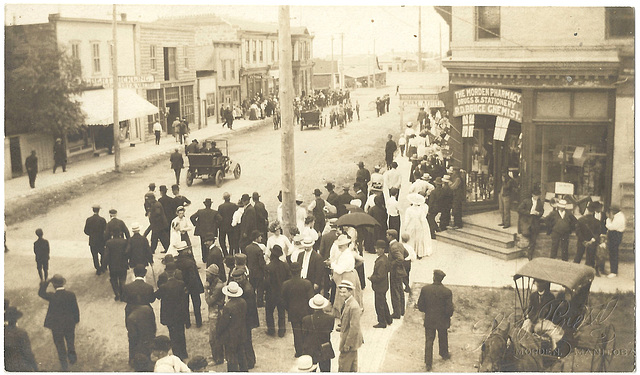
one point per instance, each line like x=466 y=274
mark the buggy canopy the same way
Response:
x=567 y=274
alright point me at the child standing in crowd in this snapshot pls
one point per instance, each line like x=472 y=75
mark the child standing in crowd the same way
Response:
x=41 y=249
x=407 y=261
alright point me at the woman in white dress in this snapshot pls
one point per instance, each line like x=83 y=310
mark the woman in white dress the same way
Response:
x=277 y=239
x=415 y=224
x=343 y=263
x=180 y=228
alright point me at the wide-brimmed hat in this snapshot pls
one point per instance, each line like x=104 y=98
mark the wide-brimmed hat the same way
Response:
x=415 y=198
x=342 y=240
x=346 y=284
x=307 y=242
x=12 y=314
x=356 y=202
x=318 y=302
x=135 y=227
x=330 y=185
x=168 y=259
x=207 y=201
x=299 y=198
x=305 y=364
x=182 y=245
x=232 y=290
x=212 y=270
x=561 y=203
x=317 y=192
x=57 y=280
x=425 y=177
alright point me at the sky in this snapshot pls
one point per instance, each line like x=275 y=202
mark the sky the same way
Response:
x=394 y=28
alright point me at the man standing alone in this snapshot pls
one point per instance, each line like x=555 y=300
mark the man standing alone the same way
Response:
x=31 y=164
x=59 y=156
x=389 y=149
x=436 y=303
x=157 y=130
x=95 y=227
x=177 y=163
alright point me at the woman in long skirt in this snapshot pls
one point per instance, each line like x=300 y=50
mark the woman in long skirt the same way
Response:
x=416 y=225
x=343 y=264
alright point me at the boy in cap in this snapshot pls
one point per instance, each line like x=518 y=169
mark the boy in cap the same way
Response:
x=166 y=362
x=62 y=316
x=41 y=250
x=436 y=302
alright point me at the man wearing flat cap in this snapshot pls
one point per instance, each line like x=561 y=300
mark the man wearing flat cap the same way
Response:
x=115 y=226
x=62 y=316
x=95 y=227
x=206 y=220
x=436 y=302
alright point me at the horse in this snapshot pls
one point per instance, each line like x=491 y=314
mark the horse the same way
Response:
x=502 y=351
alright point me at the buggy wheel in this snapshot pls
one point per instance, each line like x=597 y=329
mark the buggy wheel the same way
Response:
x=190 y=174
x=605 y=345
x=237 y=171
x=219 y=178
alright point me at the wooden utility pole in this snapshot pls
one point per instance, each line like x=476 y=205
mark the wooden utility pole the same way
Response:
x=116 y=122
x=440 y=44
x=419 y=38
x=341 y=60
x=288 y=167
x=333 y=82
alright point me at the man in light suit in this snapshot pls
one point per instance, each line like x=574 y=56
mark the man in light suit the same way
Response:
x=529 y=213
x=436 y=302
x=350 y=332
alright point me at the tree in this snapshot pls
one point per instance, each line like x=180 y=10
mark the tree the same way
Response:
x=40 y=83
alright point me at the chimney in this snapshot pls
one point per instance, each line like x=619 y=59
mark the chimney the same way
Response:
x=123 y=17
x=54 y=17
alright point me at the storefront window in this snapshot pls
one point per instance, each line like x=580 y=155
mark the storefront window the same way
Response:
x=576 y=154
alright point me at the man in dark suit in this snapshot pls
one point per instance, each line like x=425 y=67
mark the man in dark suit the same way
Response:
x=262 y=216
x=529 y=213
x=115 y=257
x=380 y=285
x=169 y=205
x=18 y=355
x=248 y=222
x=436 y=302
x=363 y=176
x=296 y=293
x=446 y=203
x=277 y=272
x=158 y=224
x=187 y=265
x=332 y=198
x=138 y=292
x=397 y=254
x=256 y=265
x=588 y=233
x=62 y=316
x=215 y=255
x=232 y=328
x=206 y=220
x=313 y=267
x=95 y=227
x=138 y=250
x=226 y=210
x=115 y=225
x=344 y=198
x=389 y=149
x=560 y=224
x=316 y=332
x=31 y=165
x=177 y=163
x=173 y=312
x=252 y=320
x=141 y=330
x=360 y=194
x=435 y=201
x=507 y=189
x=326 y=242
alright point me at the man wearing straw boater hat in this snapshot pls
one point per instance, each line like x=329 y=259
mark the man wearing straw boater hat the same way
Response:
x=62 y=316
x=316 y=330
x=350 y=332
x=232 y=329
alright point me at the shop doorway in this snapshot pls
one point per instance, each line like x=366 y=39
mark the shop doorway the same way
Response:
x=174 y=111
x=16 y=156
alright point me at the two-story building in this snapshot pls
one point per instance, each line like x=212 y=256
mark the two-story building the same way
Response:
x=550 y=99
x=168 y=55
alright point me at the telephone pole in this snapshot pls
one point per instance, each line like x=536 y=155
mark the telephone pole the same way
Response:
x=341 y=61
x=333 y=85
x=288 y=168
x=114 y=69
x=440 y=45
x=419 y=38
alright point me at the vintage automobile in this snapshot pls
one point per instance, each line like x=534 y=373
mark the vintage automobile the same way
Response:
x=212 y=165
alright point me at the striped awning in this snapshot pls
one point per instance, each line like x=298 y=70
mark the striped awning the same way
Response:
x=98 y=106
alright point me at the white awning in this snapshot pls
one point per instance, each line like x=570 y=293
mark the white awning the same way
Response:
x=98 y=106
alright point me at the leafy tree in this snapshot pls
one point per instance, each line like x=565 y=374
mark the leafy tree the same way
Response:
x=40 y=83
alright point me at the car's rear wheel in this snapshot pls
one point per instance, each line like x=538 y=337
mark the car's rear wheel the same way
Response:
x=237 y=171
x=219 y=178
x=190 y=178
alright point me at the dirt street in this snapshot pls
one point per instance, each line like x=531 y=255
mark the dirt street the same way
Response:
x=101 y=335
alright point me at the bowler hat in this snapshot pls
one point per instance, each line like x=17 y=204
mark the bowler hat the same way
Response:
x=152 y=185
x=57 y=280
x=139 y=270
x=317 y=192
x=329 y=185
x=276 y=251
x=168 y=259
x=380 y=244
x=318 y=302
x=163 y=188
x=113 y=211
x=255 y=234
x=595 y=206
x=438 y=274
x=438 y=181
x=346 y=284
x=207 y=201
x=360 y=164
x=255 y=195
x=232 y=290
x=171 y=266
x=245 y=198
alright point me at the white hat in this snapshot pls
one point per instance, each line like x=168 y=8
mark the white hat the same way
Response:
x=305 y=364
x=299 y=198
x=425 y=177
x=342 y=240
x=561 y=203
x=446 y=177
x=307 y=242
x=409 y=124
x=346 y=284
x=232 y=290
x=356 y=202
x=318 y=302
x=135 y=227
x=415 y=198
x=182 y=245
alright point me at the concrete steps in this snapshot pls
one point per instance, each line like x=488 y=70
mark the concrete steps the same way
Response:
x=483 y=239
x=627 y=206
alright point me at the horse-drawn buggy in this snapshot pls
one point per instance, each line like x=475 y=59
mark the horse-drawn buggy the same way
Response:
x=310 y=118
x=213 y=164
x=550 y=331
